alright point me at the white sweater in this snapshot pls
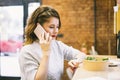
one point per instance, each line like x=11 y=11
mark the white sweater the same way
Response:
x=30 y=55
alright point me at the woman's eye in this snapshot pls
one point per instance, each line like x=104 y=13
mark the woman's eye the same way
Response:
x=51 y=27
x=54 y=27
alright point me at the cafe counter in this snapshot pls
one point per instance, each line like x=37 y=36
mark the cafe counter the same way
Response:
x=111 y=73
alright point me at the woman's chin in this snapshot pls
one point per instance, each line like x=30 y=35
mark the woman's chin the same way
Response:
x=53 y=38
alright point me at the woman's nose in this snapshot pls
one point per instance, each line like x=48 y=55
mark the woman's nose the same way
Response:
x=56 y=30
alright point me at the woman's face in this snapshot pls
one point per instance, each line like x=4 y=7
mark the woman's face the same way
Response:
x=52 y=26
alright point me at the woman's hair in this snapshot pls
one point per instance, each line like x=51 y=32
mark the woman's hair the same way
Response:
x=40 y=15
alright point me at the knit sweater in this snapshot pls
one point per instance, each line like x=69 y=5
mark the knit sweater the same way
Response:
x=30 y=56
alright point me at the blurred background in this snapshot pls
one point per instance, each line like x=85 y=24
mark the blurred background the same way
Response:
x=92 y=24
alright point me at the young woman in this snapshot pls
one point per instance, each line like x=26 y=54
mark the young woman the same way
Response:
x=42 y=56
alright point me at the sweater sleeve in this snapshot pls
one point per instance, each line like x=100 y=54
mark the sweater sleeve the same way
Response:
x=28 y=64
x=70 y=52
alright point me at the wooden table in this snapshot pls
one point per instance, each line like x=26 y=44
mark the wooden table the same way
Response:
x=108 y=74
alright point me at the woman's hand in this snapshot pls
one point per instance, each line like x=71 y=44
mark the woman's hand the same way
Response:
x=73 y=64
x=45 y=42
x=44 y=38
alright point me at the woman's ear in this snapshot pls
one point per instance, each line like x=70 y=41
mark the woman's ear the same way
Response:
x=38 y=24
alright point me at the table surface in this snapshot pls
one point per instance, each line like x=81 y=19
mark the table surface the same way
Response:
x=82 y=74
x=9 y=66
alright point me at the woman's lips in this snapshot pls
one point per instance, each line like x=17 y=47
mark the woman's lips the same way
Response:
x=53 y=35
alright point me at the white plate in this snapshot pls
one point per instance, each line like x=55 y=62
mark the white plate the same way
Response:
x=114 y=62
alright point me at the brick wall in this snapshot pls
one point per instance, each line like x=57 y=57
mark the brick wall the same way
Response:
x=77 y=17
x=106 y=39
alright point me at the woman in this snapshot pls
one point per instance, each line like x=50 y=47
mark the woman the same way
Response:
x=42 y=57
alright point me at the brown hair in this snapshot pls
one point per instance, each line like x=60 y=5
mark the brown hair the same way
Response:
x=40 y=15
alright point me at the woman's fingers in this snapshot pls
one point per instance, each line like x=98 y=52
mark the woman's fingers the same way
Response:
x=73 y=63
x=49 y=38
x=45 y=38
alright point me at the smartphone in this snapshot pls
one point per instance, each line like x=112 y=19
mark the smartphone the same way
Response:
x=39 y=30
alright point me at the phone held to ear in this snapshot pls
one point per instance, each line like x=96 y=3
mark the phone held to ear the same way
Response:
x=39 y=31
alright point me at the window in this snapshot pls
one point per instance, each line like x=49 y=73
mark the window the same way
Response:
x=11 y=29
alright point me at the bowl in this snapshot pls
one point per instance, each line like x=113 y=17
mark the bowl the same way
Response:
x=95 y=63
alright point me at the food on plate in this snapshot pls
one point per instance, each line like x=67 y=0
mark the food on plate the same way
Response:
x=97 y=58
x=94 y=63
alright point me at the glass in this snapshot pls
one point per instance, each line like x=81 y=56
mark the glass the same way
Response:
x=32 y=6
x=11 y=29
